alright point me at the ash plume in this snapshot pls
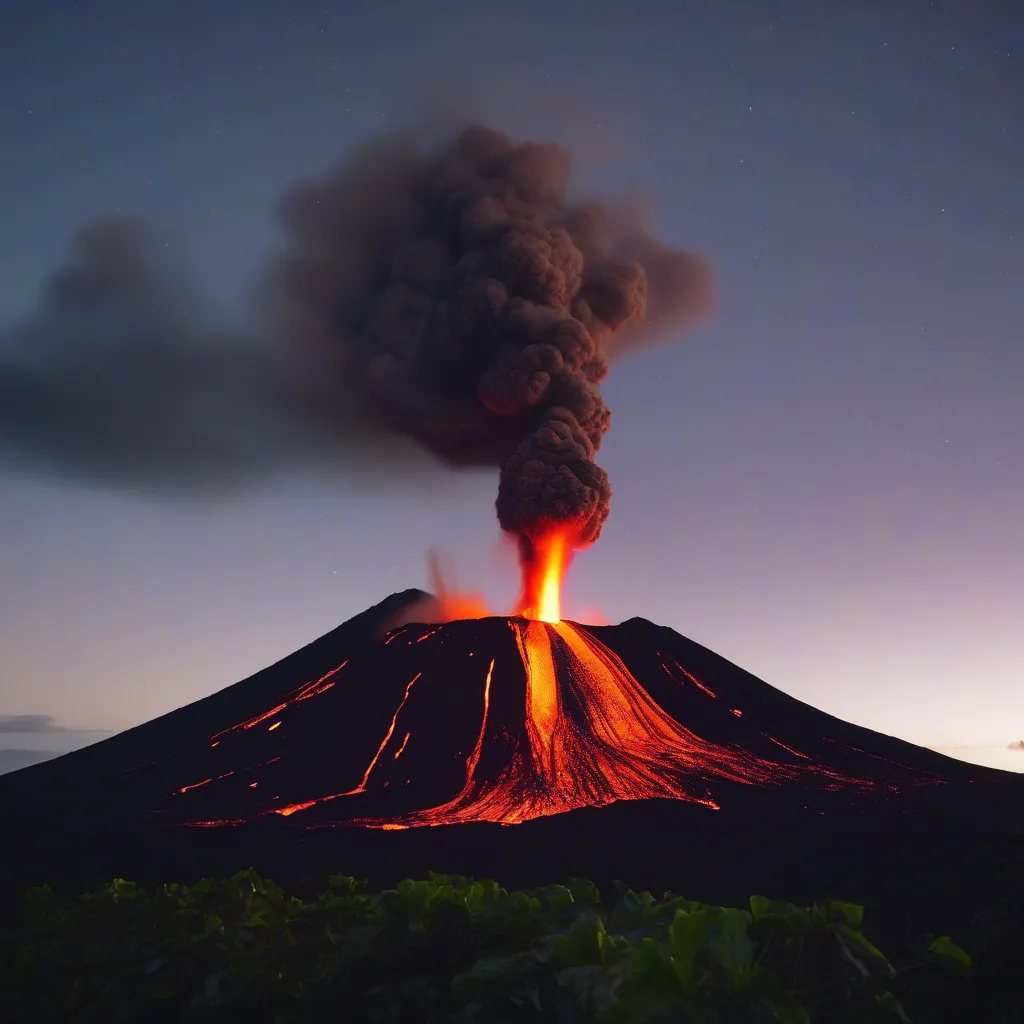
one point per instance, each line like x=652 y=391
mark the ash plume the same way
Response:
x=448 y=299
x=118 y=378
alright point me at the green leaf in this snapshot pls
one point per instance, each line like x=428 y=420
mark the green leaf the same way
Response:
x=850 y=914
x=558 y=897
x=41 y=895
x=730 y=945
x=344 y=885
x=451 y=949
x=887 y=1001
x=788 y=917
x=122 y=890
x=651 y=973
x=946 y=949
x=856 y=940
x=685 y=935
x=583 y=890
x=788 y=1011
x=584 y=943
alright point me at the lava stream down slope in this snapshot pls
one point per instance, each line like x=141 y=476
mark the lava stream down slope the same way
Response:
x=508 y=719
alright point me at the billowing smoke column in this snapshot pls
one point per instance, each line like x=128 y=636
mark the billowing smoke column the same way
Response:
x=449 y=296
x=475 y=310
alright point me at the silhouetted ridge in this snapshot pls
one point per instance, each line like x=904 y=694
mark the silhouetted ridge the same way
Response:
x=75 y=787
x=497 y=719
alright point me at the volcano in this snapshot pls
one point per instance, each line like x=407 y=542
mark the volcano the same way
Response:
x=397 y=744
x=498 y=719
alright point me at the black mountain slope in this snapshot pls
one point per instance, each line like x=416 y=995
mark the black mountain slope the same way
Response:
x=776 y=795
x=90 y=788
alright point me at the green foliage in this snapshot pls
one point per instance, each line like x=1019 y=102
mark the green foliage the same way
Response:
x=452 y=949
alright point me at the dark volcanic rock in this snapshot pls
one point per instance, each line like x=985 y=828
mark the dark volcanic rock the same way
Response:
x=825 y=807
x=98 y=787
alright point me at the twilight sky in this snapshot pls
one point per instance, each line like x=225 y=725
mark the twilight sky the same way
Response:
x=824 y=484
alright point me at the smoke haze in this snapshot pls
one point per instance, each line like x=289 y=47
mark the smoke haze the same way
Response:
x=447 y=301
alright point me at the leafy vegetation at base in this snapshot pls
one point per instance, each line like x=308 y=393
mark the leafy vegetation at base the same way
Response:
x=451 y=949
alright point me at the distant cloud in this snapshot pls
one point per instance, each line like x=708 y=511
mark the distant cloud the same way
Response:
x=36 y=738
x=28 y=723
x=38 y=725
x=1016 y=745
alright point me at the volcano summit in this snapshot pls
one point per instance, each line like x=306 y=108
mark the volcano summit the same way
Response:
x=499 y=719
x=508 y=719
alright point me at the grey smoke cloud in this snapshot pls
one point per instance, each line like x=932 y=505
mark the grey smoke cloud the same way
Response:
x=27 y=724
x=120 y=378
x=36 y=725
x=441 y=303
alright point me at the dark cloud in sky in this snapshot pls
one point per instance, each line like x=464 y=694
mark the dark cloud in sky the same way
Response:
x=28 y=723
x=119 y=377
x=13 y=758
x=44 y=726
x=37 y=725
x=448 y=300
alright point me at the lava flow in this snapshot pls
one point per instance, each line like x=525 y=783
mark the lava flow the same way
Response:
x=497 y=719
x=592 y=735
x=509 y=719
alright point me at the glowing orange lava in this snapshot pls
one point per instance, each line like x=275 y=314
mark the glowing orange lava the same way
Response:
x=562 y=726
x=543 y=572
x=592 y=735
x=453 y=603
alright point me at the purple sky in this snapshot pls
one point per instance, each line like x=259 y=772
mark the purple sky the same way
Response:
x=823 y=485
